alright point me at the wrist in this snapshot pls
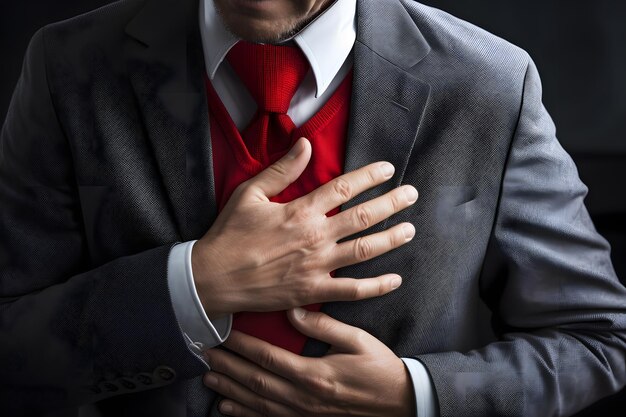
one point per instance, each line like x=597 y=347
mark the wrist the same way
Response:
x=407 y=401
x=207 y=284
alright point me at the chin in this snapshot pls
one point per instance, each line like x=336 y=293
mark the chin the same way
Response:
x=261 y=31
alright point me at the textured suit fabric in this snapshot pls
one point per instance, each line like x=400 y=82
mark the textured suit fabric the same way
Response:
x=509 y=297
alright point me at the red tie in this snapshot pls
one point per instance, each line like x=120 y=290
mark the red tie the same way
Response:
x=271 y=74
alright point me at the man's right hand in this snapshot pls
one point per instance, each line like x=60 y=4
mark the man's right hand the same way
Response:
x=264 y=256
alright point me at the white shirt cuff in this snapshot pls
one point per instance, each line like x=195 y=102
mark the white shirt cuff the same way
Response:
x=199 y=332
x=424 y=390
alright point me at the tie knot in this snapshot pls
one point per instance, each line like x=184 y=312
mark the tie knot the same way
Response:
x=271 y=73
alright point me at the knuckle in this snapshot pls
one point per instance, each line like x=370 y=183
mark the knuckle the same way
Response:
x=381 y=288
x=312 y=236
x=342 y=188
x=311 y=262
x=225 y=387
x=373 y=173
x=257 y=383
x=262 y=407
x=363 y=249
x=316 y=384
x=321 y=323
x=394 y=239
x=242 y=189
x=360 y=337
x=297 y=297
x=325 y=326
x=299 y=213
x=311 y=289
x=278 y=168
x=395 y=202
x=266 y=358
x=357 y=292
x=363 y=216
x=293 y=212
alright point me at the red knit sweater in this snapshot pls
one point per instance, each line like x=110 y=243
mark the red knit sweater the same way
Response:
x=233 y=164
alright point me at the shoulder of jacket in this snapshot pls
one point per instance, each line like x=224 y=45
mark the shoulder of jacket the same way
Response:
x=465 y=42
x=103 y=27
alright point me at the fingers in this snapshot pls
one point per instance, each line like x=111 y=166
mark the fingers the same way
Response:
x=370 y=246
x=275 y=178
x=233 y=408
x=248 y=374
x=273 y=358
x=325 y=328
x=371 y=212
x=251 y=400
x=345 y=187
x=351 y=289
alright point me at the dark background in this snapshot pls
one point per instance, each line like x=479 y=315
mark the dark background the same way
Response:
x=579 y=48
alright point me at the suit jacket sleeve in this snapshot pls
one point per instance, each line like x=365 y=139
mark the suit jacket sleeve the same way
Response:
x=70 y=332
x=559 y=309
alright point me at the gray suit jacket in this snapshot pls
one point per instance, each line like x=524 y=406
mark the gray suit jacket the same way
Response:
x=509 y=297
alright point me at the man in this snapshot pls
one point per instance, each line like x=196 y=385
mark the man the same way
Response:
x=118 y=273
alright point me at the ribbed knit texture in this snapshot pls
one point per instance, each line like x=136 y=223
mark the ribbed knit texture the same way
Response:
x=236 y=159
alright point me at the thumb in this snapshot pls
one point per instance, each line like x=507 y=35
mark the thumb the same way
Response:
x=320 y=326
x=276 y=177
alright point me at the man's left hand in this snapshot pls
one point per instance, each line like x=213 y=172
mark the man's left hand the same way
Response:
x=358 y=376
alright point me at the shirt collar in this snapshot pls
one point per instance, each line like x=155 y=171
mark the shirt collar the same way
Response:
x=326 y=41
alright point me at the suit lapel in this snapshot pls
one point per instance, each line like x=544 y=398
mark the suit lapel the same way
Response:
x=386 y=109
x=166 y=70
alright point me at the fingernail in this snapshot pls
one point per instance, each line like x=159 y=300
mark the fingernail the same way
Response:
x=226 y=408
x=210 y=380
x=300 y=313
x=295 y=150
x=411 y=194
x=409 y=231
x=387 y=169
x=396 y=282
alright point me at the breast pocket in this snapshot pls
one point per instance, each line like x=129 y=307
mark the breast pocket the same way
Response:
x=453 y=209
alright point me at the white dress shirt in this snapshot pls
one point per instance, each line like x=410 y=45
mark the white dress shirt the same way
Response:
x=327 y=43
